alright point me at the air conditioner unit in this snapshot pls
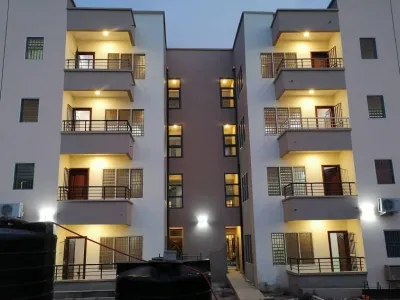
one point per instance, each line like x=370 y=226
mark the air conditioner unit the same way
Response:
x=12 y=210
x=392 y=273
x=388 y=205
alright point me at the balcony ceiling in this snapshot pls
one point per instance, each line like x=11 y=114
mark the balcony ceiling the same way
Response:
x=104 y=94
x=299 y=36
x=306 y=93
x=121 y=36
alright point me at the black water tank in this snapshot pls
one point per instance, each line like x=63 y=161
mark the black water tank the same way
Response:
x=27 y=256
x=160 y=280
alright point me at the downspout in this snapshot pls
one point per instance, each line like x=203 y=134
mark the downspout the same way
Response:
x=238 y=167
x=395 y=37
x=4 y=49
x=167 y=166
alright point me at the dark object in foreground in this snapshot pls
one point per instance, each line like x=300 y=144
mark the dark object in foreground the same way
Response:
x=163 y=280
x=382 y=293
x=27 y=256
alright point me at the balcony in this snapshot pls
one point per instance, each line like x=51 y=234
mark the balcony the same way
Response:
x=331 y=273
x=98 y=74
x=96 y=19
x=320 y=201
x=291 y=24
x=94 y=205
x=309 y=74
x=314 y=134
x=97 y=137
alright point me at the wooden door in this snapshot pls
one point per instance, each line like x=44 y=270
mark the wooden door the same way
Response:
x=340 y=250
x=68 y=259
x=78 y=184
x=320 y=59
x=85 y=60
x=332 y=180
x=325 y=116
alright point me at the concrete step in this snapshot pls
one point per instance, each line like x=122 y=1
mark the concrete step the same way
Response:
x=92 y=295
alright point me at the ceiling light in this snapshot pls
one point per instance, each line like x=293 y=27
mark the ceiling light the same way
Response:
x=227 y=125
x=174 y=81
x=106 y=33
x=311 y=92
x=306 y=34
x=224 y=81
x=175 y=126
x=97 y=93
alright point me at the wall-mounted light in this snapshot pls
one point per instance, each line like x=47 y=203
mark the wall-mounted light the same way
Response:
x=306 y=34
x=367 y=212
x=106 y=33
x=47 y=214
x=202 y=221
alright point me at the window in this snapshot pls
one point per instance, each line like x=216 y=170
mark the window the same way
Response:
x=289 y=246
x=137 y=122
x=139 y=61
x=131 y=245
x=384 y=171
x=34 y=48
x=229 y=133
x=121 y=61
x=376 y=107
x=277 y=119
x=239 y=82
x=368 y=48
x=271 y=61
x=279 y=177
x=29 y=110
x=245 y=188
x=175 y=136
x=226 y=87
x=242 y=133
x=175 y=191
x=23 y=176
x=130 y=178
x=231 y=190
x=392 y=240
x=248 y=252
x=174 y=93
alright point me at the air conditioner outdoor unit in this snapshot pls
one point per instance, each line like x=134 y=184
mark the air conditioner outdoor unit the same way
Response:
x=392 y=273
x=12 y=210
x=388 y=205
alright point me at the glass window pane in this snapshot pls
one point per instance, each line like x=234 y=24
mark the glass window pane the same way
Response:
x=231 y=179
x=230 y=151
x=173 y=93
x=230 y=140
x=229 y=129
x=175 y=152
x=175 y=141
x=175 y=130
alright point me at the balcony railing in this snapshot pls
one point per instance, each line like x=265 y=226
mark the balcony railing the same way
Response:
x=98 y=64
x=93 y=193
x=327 y=265
x=310 y=63
x=96 y=125
x=320 y=189
x=315 y=123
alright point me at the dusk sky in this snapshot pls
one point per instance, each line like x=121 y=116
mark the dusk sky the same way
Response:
x=203 y=23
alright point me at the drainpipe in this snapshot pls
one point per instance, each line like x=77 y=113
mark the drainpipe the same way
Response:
x=4 y=49
x=167 y=166
x=395 y=38
x=238 y=166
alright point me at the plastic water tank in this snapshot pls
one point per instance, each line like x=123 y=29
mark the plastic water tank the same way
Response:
x=162 y=281
x=27 y=256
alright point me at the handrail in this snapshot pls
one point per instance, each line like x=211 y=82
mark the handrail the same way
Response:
x=98 y=64
x=310 y=63
x=93 y=193
x=320 y=189
x=315 y=123
x=96 y=125
x=327 y=264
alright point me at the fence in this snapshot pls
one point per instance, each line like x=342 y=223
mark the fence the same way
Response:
x=96 y=125
x=93 y=192
x=98 y=64
x=327 y=265
x=320 y=189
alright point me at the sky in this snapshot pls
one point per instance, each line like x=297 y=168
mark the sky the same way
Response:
x=203 y=23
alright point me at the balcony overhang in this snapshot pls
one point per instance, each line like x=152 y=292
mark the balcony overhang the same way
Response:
x=297 y=79
x=80 y=212
x=329 y=139
x=290 y=24
x=97 y=142
x=102 y=19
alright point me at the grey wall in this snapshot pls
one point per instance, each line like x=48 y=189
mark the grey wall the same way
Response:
x=203 y=164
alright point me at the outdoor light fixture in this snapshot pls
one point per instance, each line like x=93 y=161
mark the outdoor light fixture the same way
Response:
x=224 y=81
x=97 y=93
x=106 y=33
x=175 y=126
x=367 y=212
x=306 y=34
x=47 y=214
x=174 y=81
x=227 y=125
x=202 y=221
x=311 y=92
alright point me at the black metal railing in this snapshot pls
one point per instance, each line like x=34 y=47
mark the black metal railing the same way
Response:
x=315 y=123
x=98 y=64
x=96 y=125
x=93 y=192
x=85 y=271
x=327 y=265
x=310 y=63
x=320 y=189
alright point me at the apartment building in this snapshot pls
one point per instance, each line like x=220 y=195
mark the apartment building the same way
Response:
x=274 y=157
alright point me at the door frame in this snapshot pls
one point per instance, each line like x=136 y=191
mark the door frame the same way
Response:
x=87 y=179
x=347 y=247
x=332 y=108
x=89 y=109
x=340 y=177
x=77 y=53
x=66 y=265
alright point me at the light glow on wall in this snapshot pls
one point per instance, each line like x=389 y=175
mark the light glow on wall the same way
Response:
x=202 y=221
x=306 y=34
x=367 y=212
x=106 y=33
x=47 y=214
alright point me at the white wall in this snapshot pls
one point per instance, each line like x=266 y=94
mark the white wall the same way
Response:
x=373 y=138
x=37 y=143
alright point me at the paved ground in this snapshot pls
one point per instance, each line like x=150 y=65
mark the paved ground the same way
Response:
x=244 y=290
